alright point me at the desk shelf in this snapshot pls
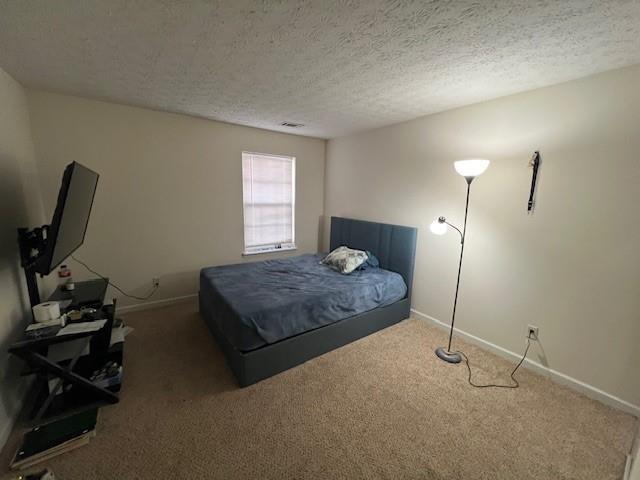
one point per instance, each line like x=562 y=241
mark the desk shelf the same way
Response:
x=76 y=392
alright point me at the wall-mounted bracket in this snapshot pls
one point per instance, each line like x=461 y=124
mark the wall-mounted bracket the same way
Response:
x=32 y=244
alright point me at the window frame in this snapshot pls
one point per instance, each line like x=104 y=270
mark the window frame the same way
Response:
x=271 y=247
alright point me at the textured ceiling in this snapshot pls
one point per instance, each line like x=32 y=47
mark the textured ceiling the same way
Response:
x=335 y=66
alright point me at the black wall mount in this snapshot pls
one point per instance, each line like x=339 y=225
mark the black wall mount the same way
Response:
x=32 y=244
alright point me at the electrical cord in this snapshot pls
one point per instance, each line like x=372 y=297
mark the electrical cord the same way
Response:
x=513 y=372
x=147 y=297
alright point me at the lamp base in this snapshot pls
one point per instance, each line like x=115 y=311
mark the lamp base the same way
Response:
x=451 y=357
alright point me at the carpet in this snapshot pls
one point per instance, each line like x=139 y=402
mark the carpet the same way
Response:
x=382 y=407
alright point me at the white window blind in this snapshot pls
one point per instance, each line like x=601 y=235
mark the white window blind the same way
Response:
x=268 y=185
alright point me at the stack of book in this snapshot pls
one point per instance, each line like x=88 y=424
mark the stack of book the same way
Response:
x=55 y=438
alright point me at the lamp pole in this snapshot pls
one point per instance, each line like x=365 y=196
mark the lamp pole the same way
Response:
x=463 y=235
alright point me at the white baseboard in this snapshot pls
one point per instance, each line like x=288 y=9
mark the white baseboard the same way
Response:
x=627 y=468
x=559 y=377
x=155 y=304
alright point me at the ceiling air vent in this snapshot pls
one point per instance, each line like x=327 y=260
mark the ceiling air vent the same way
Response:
x=292 y=125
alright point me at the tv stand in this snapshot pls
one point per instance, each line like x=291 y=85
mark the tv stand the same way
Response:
x=79 y=392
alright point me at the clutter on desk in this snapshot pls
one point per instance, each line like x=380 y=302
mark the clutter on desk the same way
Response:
x=84 y=314
x=46 y=311
x=48 y=319
x=64 y=279
x=75 y=315
x=64 y=273
x=82 y=327
x=45 y=329
x=56 y=322
x=89 y=320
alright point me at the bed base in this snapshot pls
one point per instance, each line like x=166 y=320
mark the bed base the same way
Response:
x=251 y=367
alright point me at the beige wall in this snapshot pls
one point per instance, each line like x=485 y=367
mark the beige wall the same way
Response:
x=572 y=268
x=20 y=206
x=169 y=199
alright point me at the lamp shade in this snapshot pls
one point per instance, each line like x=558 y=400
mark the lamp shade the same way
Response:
x=437 y=227
x=471 y=168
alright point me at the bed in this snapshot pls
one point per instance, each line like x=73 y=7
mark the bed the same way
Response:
x=272 y=315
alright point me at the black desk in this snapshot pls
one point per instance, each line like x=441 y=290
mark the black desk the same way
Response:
x=79 y=392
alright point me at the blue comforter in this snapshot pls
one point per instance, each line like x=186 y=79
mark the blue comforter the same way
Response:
x=259 y=303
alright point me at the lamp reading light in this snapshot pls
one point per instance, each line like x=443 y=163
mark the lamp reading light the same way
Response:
x=470 y=169
x=439 y=226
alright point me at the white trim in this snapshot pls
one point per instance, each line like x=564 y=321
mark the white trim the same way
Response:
x=582 y=387
x=155 y=304
x=627 y=468
x=632 y=466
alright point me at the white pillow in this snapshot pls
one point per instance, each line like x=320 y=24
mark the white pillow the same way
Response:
x=344 y=259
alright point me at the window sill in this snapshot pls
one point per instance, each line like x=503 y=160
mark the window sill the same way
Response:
x=288 y=248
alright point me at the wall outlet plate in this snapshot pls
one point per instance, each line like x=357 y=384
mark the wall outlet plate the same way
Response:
x=532 y=332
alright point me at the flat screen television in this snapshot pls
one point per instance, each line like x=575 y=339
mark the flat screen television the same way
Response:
x=71 y=216
x=43 y=248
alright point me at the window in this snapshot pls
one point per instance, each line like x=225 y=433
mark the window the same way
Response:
x=268 y=186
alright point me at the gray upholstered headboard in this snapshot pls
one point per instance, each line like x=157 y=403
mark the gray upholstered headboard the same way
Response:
x=393 y=245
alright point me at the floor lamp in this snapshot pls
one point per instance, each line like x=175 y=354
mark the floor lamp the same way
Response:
x=469 y=169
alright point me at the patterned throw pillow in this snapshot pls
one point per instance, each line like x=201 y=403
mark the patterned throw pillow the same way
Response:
x=344 y=259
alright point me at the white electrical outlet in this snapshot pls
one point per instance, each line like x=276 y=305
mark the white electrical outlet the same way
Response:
x=532 y=332
x=156 y=282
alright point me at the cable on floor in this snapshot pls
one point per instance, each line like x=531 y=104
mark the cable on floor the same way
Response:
x=515 y=383
x=147 y=297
